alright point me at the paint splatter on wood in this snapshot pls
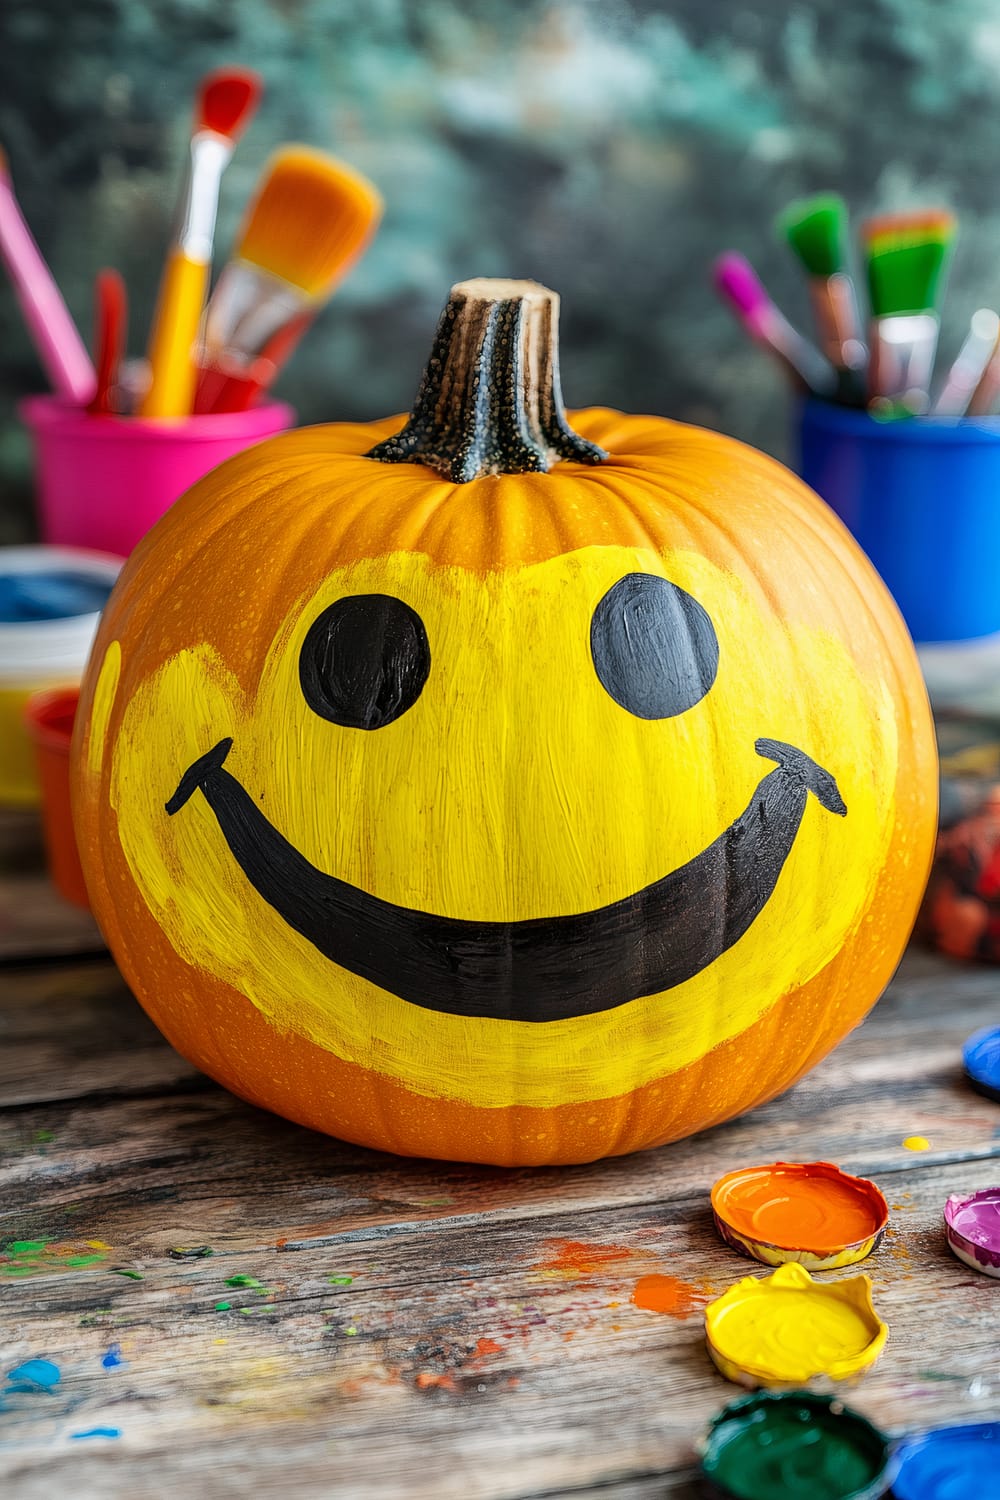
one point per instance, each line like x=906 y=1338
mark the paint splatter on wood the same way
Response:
x=574 y=1260
x=22 y=1258
x=668 y=1294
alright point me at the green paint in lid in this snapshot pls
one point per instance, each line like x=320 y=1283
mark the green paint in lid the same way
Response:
x=776 y=1445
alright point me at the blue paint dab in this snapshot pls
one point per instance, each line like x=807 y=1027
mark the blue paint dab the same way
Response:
x=113 y=1358
x=39 y=1372
x=108 y=1432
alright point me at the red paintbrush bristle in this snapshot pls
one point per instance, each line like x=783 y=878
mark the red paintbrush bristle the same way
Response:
x=227 y=100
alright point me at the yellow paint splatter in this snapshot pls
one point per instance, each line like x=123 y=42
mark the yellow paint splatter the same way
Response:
x=917 y=1143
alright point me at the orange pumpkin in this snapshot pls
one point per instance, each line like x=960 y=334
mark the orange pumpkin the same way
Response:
x=500 y=789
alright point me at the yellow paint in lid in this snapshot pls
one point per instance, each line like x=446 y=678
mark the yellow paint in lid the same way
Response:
x=786 y=1328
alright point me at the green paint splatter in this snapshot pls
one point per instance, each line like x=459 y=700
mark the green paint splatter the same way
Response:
x=248 y=1312
x=124 y=1271
x=340 y=1280
x=90 y=1320
x=251 y=1283
x=350 y=1331
x=42 y=1137
x=34 y=1257
x=223 y=1306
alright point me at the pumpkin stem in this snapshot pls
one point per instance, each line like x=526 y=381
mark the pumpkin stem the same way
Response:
x=490 y=400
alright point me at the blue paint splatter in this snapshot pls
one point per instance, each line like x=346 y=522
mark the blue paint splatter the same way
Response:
x=113 y=1358
x=108 y=1432
x=37 y=1372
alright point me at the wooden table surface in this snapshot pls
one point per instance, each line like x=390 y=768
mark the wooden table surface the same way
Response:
x=237 y=1306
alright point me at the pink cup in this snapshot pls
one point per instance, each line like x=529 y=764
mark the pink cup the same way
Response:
x=103 y=481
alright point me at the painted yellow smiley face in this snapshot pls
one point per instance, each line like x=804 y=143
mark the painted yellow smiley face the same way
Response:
x=463 y=837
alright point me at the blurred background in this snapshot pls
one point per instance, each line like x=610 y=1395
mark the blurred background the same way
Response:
x=608 y=149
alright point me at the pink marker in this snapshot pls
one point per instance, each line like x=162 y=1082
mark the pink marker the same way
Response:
x=57 y=339
x=737 y=283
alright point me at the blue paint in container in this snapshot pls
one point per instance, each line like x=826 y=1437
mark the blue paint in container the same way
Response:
x=951 y=1463
x=51 y=599
x=50 y=594
x=981 y=1057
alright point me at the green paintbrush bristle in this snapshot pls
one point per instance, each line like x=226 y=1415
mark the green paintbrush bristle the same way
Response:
x=816 y=229
x=907 y=255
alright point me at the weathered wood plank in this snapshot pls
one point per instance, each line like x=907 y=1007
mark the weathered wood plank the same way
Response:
x=471 y=1354
x=480 y=1364
x=72 y=1030
x=34 y=919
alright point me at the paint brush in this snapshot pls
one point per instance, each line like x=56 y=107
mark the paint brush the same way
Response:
x=816 y=230
x=906 y=259
x=56 y=337
x=986 y=396
x=737 y=283
x=226 y=101
x=111 y=317
x=311 y=220
x=969 y=369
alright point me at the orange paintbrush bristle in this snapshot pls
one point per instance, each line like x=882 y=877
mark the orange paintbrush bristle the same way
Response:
x=934 y=224
x=227 y=100
x=311 y=220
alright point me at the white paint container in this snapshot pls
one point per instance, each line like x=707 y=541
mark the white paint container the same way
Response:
x=50 y=650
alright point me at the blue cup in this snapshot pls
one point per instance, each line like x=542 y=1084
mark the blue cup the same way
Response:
x=922 y=497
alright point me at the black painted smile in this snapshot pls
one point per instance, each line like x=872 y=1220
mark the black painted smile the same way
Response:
x=546 y=968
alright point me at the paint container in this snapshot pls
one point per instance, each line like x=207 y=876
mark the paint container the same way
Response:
x=784 y=1329
x=981 y=1059
x=919 y=496
x=972 y=1229
x=49 y=717
x=810 y=1212
x=103 y=481
x=949 y=1462
x=50 y=603
x=783 y=1446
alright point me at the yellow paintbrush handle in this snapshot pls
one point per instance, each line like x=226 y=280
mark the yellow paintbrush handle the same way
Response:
x=171 y=345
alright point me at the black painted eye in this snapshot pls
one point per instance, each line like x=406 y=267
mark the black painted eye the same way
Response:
x=654 y=647
x=364 y=661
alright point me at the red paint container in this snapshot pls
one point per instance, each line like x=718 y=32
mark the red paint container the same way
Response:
x=49 y=716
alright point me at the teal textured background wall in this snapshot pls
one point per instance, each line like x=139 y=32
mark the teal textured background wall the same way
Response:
x=609 y=149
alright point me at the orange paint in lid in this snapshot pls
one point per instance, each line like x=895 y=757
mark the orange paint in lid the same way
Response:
x=810 y=1212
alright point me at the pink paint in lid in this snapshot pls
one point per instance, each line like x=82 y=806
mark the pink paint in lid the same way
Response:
x=972 y=1227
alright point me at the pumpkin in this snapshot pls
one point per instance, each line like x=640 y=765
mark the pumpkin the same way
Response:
x=499 y=786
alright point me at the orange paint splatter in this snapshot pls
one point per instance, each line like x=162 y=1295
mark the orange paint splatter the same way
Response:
x=668 y=1294
x=572 y=1259
x=426 y=1380
x=488 y=1346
